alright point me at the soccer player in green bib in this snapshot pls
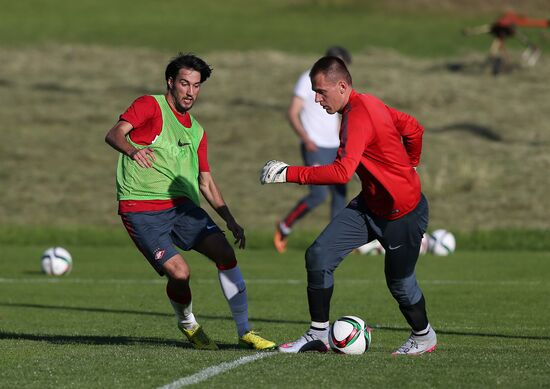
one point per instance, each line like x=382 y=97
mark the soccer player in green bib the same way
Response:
x=162 y=169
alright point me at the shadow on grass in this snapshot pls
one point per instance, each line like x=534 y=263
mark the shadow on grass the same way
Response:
x=85 y=309
x=252 y=319
x=460 y=333
x=143 y=313
x=92 y=339
x=106 y=340
x=473 y=128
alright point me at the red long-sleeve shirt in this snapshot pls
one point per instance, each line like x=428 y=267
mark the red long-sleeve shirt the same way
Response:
x=512 y=19
x=381 y=144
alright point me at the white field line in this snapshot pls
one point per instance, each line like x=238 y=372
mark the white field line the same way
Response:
x=212 y=371
x=72 y=280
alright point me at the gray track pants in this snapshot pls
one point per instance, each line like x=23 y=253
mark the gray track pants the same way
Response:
x=355 y=226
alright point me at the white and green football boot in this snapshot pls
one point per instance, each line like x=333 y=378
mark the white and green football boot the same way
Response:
x=418 y=344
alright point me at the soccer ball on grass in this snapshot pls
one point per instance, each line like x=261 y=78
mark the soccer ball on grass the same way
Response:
x=349 y=335
x=56 y=261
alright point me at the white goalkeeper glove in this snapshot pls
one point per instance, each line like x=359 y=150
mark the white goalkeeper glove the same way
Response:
x=274 y=172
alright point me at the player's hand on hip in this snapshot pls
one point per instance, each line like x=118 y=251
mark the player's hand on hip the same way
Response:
x=238 y=233
x=310 y=146
x=144 y=157
x=274 y=172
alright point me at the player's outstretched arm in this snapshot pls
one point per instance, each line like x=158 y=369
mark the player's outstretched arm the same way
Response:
x=273 y=172
x=213 y=195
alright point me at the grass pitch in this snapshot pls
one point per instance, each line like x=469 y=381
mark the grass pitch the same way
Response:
x=108 y=323
x=415 y=27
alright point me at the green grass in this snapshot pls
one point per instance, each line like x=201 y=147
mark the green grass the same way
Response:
x=503 y=239
x=69 y=68
x=108 y=323
x=416 y=28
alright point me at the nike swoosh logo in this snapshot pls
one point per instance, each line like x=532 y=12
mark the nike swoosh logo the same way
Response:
x=181 y=144
x=394 y=248
x=210 y=227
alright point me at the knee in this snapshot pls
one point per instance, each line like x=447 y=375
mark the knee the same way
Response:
x=319 y=276
x=180 y=276
x=178 y=272
x=405 y=290
x=314 y=257
x=226 y=258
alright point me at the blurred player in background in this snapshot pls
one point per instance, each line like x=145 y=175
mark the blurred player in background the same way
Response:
x=383 y=146
x=162 y=168
x=505 y=27
x=318 y=133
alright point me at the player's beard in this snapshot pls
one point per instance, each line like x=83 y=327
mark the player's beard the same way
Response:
x=180 y=108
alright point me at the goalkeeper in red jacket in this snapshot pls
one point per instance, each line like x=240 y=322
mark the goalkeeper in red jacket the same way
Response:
x=383 y=146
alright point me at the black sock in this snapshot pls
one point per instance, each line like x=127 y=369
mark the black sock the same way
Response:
x=416 y=315
x=319 y=303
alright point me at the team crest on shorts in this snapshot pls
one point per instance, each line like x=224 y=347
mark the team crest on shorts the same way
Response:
x=159 y=253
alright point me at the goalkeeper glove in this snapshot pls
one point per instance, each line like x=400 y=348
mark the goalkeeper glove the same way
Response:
x=273 y=172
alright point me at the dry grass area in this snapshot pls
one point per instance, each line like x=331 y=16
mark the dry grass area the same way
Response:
x=486 y=152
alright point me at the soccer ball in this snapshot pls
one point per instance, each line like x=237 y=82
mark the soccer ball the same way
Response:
x=425 y=244
x=56 y=261
x=349 y=335
x=442 y=242
x=374 y=247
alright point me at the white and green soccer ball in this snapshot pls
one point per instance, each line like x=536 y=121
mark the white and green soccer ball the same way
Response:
x=442 y=242
x=349 y=335
x=56 y=261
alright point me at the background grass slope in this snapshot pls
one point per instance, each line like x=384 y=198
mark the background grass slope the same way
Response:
x=68 y=69
x=484 y=163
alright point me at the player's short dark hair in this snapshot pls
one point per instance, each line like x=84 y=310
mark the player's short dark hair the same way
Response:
x=187 y=61
x=340 y=52
x=332 y=67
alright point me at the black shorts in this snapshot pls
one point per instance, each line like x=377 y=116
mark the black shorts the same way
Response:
x=156 y=233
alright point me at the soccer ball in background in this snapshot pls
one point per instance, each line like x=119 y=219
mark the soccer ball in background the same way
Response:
x=442 y=242
x=56 y=261
x=349 y=335
x=425 y=244
x=374 y=247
